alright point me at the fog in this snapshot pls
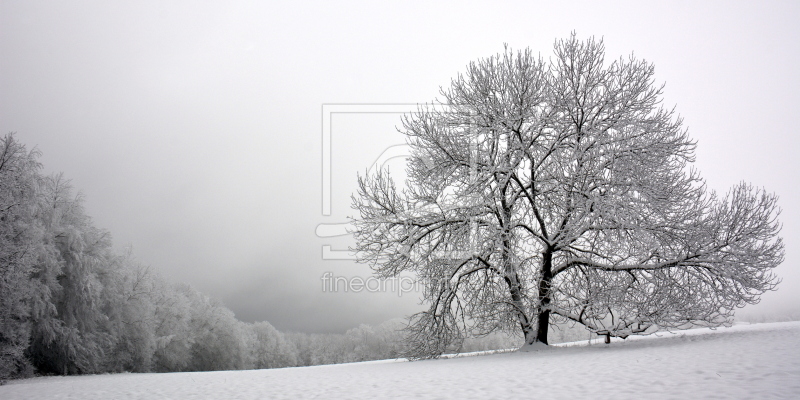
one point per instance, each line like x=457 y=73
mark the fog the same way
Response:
x=195 y=130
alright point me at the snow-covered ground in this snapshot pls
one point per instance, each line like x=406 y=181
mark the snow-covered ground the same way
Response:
x=746 y=361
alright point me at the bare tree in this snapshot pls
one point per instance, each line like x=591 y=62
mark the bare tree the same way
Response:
x=542 y=192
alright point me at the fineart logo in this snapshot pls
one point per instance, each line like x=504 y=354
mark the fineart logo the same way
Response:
x=393 y=152
x=337 y=229
x=402 y=284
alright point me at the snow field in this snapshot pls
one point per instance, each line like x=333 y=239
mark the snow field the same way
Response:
x=759 y=361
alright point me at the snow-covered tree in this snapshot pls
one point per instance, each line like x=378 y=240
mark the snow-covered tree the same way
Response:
x=216 y=337
x=269 y=348
x=173 y=330
x=544 y=192
x=69 y=324
x=129 y=303
x=18 y=185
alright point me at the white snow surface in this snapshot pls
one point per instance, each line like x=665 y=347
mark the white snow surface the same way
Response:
x=759 y=361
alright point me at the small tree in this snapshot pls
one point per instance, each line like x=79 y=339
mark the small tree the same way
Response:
x=542 y=192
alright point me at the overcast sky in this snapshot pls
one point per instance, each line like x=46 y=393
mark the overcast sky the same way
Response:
x=194 y=129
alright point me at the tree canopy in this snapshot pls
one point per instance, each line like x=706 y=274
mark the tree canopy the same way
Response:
x=562 y=190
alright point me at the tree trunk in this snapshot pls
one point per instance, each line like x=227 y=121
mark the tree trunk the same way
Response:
x=543 y=320
x=528 y=331
x=543 y=326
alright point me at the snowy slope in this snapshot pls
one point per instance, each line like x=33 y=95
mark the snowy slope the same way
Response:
x=746 y=361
